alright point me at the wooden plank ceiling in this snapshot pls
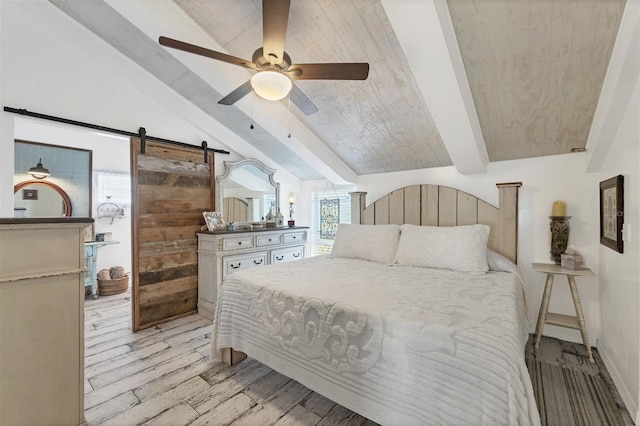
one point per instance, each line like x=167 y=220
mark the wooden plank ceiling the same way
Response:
x=535 y=69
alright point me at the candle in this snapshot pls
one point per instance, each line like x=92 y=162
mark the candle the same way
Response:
x=559 y=208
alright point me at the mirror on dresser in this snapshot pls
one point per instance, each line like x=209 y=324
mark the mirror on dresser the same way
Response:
x=246 y=191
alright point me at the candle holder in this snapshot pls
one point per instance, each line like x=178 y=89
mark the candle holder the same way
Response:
x=291 y=222
x=559 y=227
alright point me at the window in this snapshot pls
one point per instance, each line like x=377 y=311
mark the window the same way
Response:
x=269 y=204
x=116 y=185
x=328 y=209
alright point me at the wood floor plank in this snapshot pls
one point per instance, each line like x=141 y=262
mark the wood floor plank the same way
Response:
x=224 y=390
x=150 y=408
x=154 y=358
x=275 y=407
x=99 y=323
x=318 y=404
x=96 y=358
x=111 y=408
x=123 y=340
x=298 y=416
x=98 y=331
x=120 y=364
x=172 y=379
x=340 y=416
x=171 y=332
x=226 y=412
x=112 y=390
x=264 y=387
x=181 y=414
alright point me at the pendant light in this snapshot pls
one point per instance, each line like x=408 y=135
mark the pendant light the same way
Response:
x=39 y=172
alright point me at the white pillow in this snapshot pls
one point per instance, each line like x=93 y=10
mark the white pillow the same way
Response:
x=459 y=248
x=377 y=243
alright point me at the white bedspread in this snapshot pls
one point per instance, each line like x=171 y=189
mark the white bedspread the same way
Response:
x=398 y=345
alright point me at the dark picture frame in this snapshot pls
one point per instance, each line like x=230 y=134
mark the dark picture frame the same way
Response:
x=612 y=213
x=29 y=194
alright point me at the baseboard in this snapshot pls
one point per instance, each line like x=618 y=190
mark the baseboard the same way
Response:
x=629 y=402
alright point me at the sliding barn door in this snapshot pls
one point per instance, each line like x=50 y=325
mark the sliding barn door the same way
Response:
x=171 y=187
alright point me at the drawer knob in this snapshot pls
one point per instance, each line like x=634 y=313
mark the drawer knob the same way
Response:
x=296 y=254
x=258 y=262
x=236 y=267
x=279 y=257
x=269 y=239
x=294 y=237
x=239 y=243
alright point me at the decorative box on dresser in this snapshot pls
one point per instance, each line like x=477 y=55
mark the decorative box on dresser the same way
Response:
x=221 y=253
x=42 y=321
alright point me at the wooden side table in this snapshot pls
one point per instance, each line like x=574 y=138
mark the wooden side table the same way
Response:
x=544 y=317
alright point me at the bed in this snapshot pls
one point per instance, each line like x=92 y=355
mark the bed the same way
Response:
x=400 y=332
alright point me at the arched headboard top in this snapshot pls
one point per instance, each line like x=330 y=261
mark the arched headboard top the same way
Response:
x=437 y=205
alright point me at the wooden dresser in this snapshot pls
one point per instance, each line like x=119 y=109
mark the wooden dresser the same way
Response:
x=221 y=253
x=42 y=321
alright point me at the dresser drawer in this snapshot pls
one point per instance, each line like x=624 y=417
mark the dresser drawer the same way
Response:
x=236 y=243
x=268 y=240
x=287 y=254
x=294 y=237
x=231 y=264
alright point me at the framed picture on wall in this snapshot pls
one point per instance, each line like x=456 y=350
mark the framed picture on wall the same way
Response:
x=29 y=194
x=612 y=212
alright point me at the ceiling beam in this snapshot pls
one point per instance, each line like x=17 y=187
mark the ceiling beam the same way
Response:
x=425 y=32
x=170 y=20
x=623 y=75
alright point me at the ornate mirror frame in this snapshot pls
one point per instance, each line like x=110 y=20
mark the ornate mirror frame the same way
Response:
x=229 y=166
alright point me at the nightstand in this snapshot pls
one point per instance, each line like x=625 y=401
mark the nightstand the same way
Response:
x=544 y=317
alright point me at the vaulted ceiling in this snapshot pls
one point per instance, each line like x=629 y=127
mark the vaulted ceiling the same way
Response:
x=461 y=83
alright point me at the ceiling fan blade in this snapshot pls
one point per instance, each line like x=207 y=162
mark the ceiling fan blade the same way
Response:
x=334 y=71
x=275 y=17
x=300 y=100
x=237 y=94
x=191 y=48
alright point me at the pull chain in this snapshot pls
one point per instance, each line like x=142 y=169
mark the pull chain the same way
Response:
x=289 y=136
x=251 y=127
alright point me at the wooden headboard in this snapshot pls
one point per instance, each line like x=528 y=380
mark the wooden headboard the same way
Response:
x=437 y=205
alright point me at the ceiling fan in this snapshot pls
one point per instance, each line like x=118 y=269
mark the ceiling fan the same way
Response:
x=274 y=67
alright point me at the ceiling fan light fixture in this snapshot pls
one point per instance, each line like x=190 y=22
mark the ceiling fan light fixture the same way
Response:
x=271 y=85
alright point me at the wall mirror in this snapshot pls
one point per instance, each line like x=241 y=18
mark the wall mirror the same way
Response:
x=66 y=191
x=246 y=191
x=34 y=198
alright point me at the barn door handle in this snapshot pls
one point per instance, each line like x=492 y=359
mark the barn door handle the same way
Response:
x=236 y=267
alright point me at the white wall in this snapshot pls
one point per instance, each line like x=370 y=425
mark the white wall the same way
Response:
x=620 y=273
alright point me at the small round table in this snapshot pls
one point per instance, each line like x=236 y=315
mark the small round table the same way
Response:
x=544 y=317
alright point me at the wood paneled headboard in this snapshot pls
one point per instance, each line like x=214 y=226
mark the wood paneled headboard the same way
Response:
x=437 y=205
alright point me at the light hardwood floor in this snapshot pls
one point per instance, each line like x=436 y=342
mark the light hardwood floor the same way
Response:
x=163 y=376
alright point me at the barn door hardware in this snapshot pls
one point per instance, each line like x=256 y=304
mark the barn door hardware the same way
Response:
x=206 y=152
x=142 y=132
